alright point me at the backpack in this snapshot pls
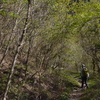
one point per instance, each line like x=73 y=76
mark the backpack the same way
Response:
x=85 y=72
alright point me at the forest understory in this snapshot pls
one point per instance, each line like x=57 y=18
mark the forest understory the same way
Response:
x=43 y=44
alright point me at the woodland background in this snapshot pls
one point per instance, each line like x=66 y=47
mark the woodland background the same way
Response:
x=43 y=43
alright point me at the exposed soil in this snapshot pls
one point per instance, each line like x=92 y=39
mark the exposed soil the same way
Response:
x=76 y=94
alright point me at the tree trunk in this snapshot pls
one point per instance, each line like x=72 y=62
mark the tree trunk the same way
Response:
x=93 y=62
x=17 y=51
x=26 y=62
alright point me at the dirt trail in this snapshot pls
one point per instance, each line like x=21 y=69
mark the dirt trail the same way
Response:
x=76 y=93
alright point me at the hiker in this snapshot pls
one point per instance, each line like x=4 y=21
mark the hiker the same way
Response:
x=84 y=75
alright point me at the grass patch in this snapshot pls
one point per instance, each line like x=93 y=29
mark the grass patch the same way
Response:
x=72 y=82
x=75 y=74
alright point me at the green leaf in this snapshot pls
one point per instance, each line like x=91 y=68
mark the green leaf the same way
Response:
x=4 y=13
x=13 y=14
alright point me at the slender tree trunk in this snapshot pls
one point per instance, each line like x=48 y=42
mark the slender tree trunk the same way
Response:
x=28 y=53
x=26 y=63
x=17 y=52
x=93 y=62
x=40 y=75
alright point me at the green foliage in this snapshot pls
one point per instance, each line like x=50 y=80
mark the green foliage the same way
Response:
x=5 y=1
x=4 y=13
x=83 y=14
x=51 y=29
x=97 y=45
x=9 y=1
x=14 y=15
x=65 y=96
x=71 y=80
x=75 y=74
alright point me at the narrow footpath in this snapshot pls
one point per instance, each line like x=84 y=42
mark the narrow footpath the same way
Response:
x=76 y=93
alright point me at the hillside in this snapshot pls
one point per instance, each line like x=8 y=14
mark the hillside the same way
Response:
x=43 y=44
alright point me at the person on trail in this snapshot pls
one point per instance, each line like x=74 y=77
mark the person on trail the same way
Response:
x=84 y=76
